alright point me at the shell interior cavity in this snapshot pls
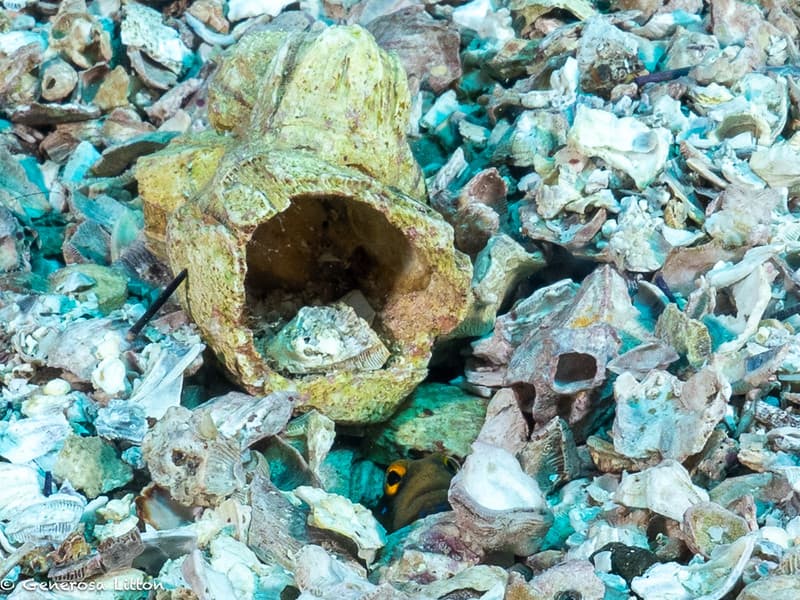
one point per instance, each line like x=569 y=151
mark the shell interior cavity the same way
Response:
x=323 y=338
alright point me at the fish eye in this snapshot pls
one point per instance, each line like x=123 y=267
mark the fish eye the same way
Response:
x=394 y=475
x=451 y=464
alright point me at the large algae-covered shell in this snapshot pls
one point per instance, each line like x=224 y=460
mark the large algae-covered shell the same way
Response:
x=294 y=91
x=317 y=201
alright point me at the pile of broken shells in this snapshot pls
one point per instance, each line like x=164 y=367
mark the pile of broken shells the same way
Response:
x=623 y=177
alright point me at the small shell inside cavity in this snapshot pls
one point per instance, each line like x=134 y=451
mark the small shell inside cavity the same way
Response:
x=323 y=338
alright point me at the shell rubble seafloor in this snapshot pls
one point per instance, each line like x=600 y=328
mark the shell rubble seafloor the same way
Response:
x=606 y=194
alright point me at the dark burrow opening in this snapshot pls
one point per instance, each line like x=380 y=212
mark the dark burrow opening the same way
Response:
x=574 y=368
x=321 y=249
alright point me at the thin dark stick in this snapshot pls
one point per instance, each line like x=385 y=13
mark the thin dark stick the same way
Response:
x=660 y=76
x=137 y=327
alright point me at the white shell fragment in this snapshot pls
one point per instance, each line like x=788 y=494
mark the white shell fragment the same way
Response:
x=161 y=385
x=709 y=581
x=778 y=164
x=109 y=376
x=494 y=499
x=336 y=513
x=248 y=419
x=244 y=9
x=319 y=575
x=484 y=16
x=624 y=143
x=28 y=439
x=325 y=338
x=665 y=489
x=22 y=487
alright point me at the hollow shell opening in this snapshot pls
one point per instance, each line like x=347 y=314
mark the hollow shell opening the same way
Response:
x=574 y=370
x=327 y=251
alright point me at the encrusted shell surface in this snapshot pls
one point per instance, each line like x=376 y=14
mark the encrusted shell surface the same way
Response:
x=142 y=28
x=238 y=238
x=91 y=464
x=188 y=456
x=551 y=456
x=430 y=548
x=436 y=418
x=665 y=416
x=708 y=525
x=58 y=80
x=79 y=36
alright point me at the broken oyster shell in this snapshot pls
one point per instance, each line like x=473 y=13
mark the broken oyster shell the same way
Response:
x=624 y=143
x=498 y=503
x=337 y=514
x=321 y=339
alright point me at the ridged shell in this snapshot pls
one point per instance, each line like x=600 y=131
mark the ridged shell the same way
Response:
x=790 y=562
x=49 y=521
x=324 y=338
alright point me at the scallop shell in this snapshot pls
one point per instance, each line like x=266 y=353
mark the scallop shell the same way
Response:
x=325 y=338
x=50 y=520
